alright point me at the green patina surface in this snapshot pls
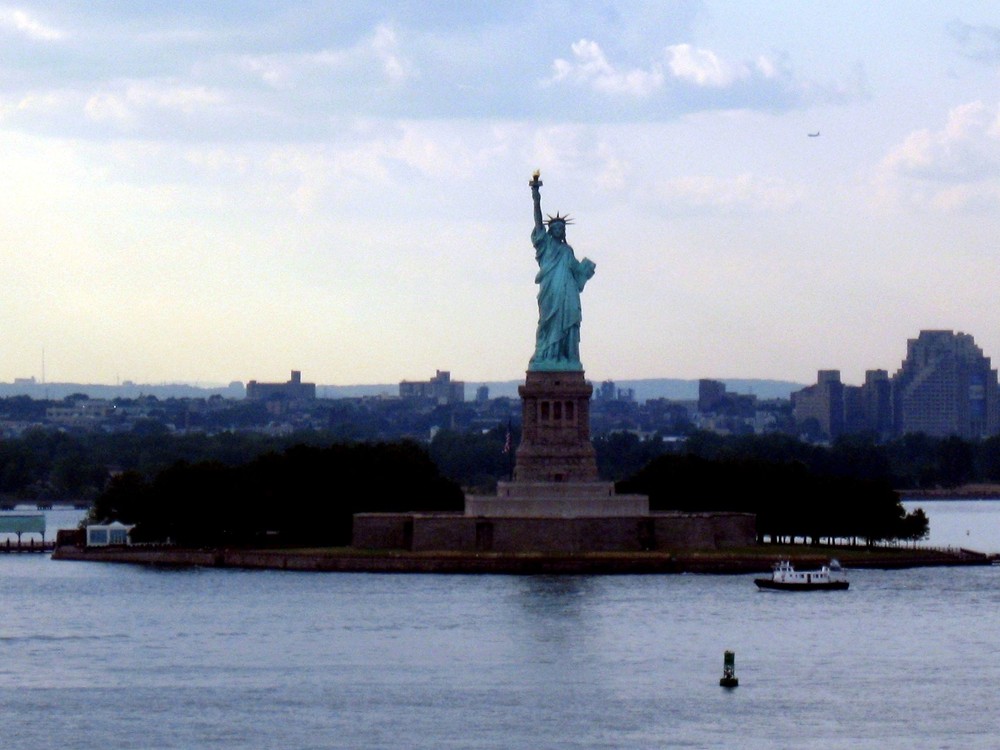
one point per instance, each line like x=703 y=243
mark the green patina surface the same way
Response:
x=561 y=278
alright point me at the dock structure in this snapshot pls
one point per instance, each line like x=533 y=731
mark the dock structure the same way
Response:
x=28 y=545
x=9 y=504
x=19 y=524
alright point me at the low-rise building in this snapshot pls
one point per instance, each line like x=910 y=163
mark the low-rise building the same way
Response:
x=81 y=413
x=105 y=535
x=441 y=389
x=293 y=390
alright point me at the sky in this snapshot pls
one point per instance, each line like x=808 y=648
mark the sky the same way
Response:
x=208 y=192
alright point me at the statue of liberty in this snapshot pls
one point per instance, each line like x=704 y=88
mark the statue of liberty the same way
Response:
x=561 y=278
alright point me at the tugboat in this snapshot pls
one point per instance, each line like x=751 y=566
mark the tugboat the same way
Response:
x=784 y=577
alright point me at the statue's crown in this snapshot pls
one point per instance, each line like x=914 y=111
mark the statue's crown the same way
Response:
x=557 y=217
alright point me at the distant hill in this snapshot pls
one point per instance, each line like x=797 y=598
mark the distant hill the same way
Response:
x=671 y=388
x=688 y=389
x=128 y=389
x=359 y=391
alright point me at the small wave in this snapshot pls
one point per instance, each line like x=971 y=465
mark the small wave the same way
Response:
x=54 y=638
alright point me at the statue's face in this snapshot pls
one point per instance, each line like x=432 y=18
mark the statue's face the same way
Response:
x=558 y=230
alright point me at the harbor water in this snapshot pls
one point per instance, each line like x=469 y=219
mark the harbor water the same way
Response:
x=100 y=656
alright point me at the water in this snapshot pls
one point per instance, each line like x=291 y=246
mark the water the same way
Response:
x=101 y=656
x=973 y=524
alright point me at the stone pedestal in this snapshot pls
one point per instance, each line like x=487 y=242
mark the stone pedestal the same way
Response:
x=555 y=429
x=555 y=470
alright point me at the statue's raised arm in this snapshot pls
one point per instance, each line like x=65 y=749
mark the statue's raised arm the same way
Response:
x=536 y=196
x=561 y=278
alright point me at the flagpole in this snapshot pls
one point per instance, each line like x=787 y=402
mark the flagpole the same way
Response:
x=508 y=448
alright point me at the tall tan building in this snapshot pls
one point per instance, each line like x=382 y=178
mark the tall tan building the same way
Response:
x=944 y=387
x=823 y=402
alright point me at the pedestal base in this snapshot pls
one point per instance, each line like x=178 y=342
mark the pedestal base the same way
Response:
x=555 y=429
x=556 y=500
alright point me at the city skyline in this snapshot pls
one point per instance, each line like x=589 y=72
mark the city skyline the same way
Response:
x=233 y=191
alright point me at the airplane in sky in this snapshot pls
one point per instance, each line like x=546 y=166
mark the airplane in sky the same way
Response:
x=813 y=135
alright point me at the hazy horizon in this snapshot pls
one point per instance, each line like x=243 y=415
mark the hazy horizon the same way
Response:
x=192 y=191
x=644 y=388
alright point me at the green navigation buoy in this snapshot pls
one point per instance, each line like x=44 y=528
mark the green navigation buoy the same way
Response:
x=729 y=679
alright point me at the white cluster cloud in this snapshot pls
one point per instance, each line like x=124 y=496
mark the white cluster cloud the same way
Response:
x=184 y=91
x=125 y=106
x=386 y=48
x=954 y=167
x=702 y=67
x=683 y=63
x=591 y=67
x=381 y=50
x=283 y=70
x=23 y=23
x=185 y=82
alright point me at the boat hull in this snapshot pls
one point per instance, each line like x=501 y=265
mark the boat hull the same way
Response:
x=767 y=583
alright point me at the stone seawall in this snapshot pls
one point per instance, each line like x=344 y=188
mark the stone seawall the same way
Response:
x=655 y=532
x=346 y=560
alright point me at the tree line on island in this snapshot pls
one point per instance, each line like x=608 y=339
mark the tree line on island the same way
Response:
x=303 y=488
x=303 y=496
x=305 y=493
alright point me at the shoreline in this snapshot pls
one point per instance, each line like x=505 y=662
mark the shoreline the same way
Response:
x=348 y=560
x=981 y=491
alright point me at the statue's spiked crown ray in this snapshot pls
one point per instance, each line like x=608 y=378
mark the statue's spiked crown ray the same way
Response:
x=557 y=217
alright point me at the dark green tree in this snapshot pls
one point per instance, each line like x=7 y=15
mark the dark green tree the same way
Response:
x=305 y=495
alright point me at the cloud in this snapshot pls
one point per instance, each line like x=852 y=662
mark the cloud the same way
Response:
x=613 y=170
x=174 y=97
x=23 y=23
x=590 y=67
x=954 y=167
x=967 y=149
x=124 y=108
x=106 y=107
x=681 y=64
x=744 y=191
x=385 y=47
x=702 y=67
x=686 y=78
x=244 y=81
x=34 y=104
x=980 y=43
x=381 y=51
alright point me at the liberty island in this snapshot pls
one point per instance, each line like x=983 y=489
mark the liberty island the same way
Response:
x=555 y=503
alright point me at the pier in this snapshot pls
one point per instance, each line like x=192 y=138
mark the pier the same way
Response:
x=28 y=545
x=15 y=504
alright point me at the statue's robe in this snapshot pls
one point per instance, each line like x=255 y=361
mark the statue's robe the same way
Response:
x=561 y=278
